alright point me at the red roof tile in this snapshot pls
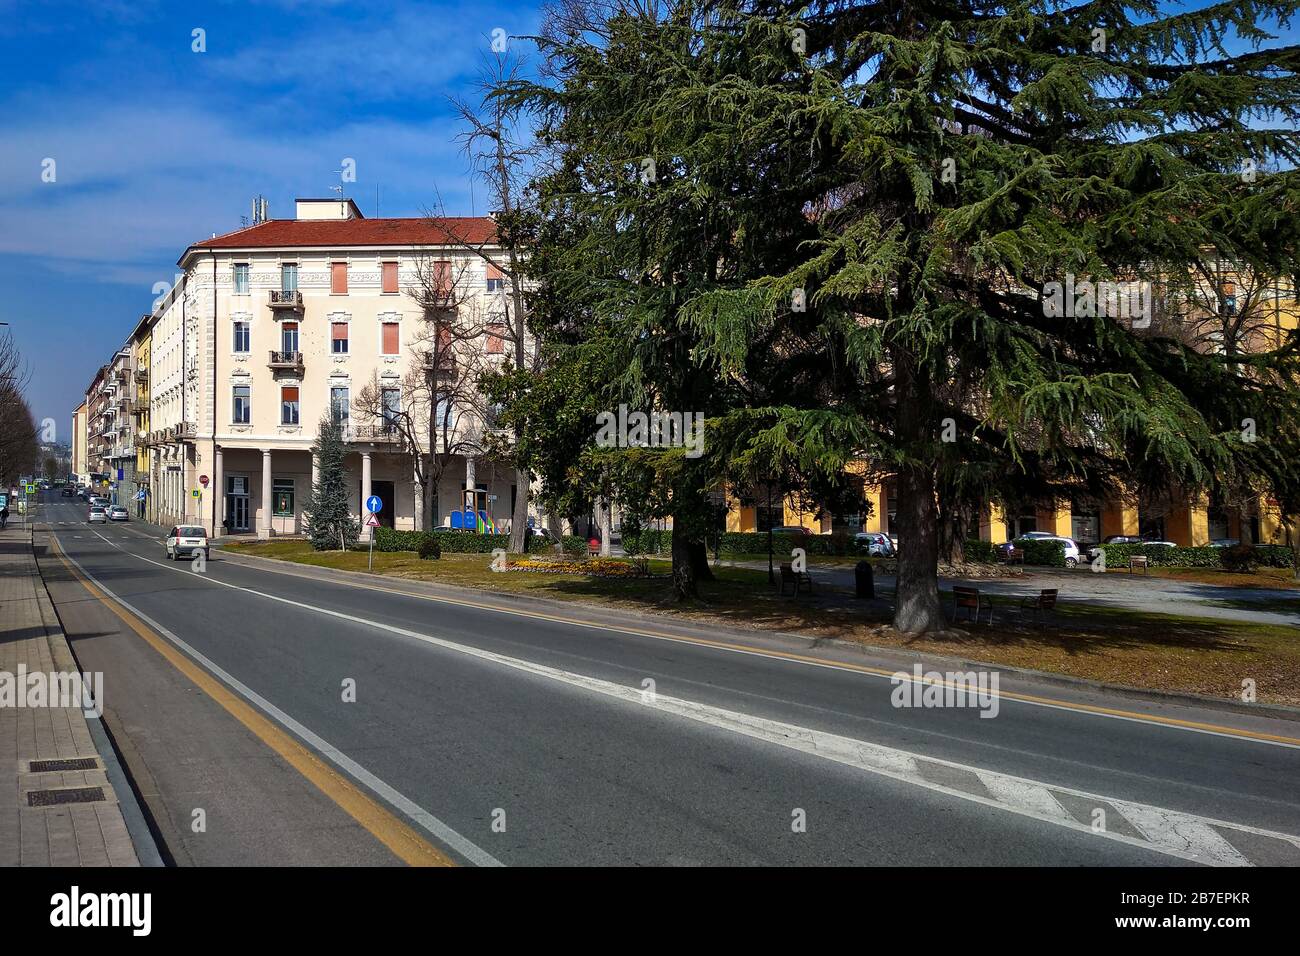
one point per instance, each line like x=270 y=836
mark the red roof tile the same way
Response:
x=280 y=233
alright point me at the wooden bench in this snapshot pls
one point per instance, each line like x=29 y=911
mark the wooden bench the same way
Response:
x=799 y=581
x=972 y=602
x=1042 y=605
x=1017 y=556
x=1137 y=561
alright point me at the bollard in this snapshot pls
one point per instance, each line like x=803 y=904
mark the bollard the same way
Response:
x=865 y=580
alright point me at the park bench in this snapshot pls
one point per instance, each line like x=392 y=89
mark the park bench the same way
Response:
x=1042 y=605
x=1137 y=561
x=799 y=581
x=970 y=600
x=1017 y=556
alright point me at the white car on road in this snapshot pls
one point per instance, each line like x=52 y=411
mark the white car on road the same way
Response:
x=1071 y=546
x=96 y=515
x=186 y=540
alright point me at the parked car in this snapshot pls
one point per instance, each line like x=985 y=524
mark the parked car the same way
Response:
x=874 y=543
x=98 y=501
x=96 y=514
x=188 y=540
x=67 y=492
x=118 y=513
x=1224 y=543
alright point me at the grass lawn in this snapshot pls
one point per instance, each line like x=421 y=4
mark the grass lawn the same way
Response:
x=1158 y=651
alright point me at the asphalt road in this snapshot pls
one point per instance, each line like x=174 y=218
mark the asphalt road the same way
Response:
x=560 y=738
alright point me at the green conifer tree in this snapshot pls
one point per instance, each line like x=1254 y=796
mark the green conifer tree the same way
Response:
x=329 y=520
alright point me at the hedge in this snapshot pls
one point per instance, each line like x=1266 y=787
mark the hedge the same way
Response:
x=466 y=542
x=1044 y=552
x=980 y=552
x=651 y=541
x=1172 y=556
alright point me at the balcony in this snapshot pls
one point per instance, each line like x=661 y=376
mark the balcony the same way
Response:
x=377 y=434
x=285 y=361
x=286 y=301
x=187 y=430
x=436 y=300
x=142 y=376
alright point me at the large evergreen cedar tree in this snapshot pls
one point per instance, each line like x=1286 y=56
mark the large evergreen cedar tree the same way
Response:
x=777 y=170
x=330 y=524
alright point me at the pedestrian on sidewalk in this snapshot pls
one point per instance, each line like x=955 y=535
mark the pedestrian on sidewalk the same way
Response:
x=4 y=516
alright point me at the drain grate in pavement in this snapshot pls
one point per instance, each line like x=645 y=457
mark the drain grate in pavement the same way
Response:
x=72 y=763
x=51 y=798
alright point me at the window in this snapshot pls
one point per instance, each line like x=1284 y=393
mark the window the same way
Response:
x=392 y=405
x=442 y=412
x=339 y=278
x=339 y=405
x=241 y=337
x=390 y=277
x=241 y=278
x=282 y=497
x=242 y=410
x=289 y=337
x=289 y=277
x=496 y=343
x=289 y=405
x=339 y=338
x=495 y=280
x=391 y=337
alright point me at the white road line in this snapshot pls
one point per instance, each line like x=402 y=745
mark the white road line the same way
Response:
x=1171 y=832
x=829 y=665
x=360 y=774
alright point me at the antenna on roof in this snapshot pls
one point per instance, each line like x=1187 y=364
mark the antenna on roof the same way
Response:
x=259 y=209
x=338 y=189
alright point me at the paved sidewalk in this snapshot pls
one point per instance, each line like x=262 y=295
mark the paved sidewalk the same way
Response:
x=59 y=834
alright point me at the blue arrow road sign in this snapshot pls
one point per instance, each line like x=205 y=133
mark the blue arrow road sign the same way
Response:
x=374 y=504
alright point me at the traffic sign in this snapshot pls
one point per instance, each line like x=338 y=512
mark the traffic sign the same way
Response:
x=203 y=480
x=195 y=493
x=374 y=504
x=372 y=522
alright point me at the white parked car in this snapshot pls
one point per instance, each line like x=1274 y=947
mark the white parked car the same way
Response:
x=118 y=513
x=96 y=515
x=1071 y=546
x=186 y=540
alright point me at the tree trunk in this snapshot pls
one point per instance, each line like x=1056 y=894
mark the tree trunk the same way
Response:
x=606 y=520
x=426 y=501
x=684 y=580
x=700 y=561
x=917 y=608
x=519 y=519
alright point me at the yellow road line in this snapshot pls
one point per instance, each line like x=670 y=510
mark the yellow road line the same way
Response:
x=834 y=665
x=402 y=840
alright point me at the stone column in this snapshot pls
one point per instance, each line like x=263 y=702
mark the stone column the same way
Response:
x=264 y=527
x=469 y=500
x=365 y=492
x=218 y=489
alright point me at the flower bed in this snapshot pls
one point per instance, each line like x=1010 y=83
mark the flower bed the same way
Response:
x=591 y=568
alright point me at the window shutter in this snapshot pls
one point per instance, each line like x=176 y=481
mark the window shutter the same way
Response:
x=339 y=332
x=442 y=277
x=496 y=344
x=339 y=277
x=390 y=338
x=493 y=272
x=289 y=393
x=390 y=276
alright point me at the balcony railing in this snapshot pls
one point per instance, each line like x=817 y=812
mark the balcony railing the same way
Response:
x=379 y=434
x=187 y=430
x=434 y=300
x=142 y=376
x=281 y=299
x=285 y=360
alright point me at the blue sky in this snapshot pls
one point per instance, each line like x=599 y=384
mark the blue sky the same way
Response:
x=158 y=146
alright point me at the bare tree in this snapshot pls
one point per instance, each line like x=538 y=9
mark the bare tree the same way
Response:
x=18 y=433
x=501 y=157
x=1225 y=308
x=435 y=412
